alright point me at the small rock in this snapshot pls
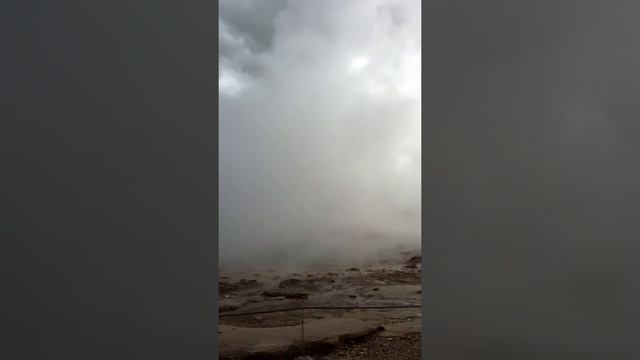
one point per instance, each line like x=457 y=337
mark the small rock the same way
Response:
x=289 y=283
x=286 y=294
x=223 y=308
x=375 y=289
x=229 y=305
x=272 y=293
x=247 y=282
x=353 y=269
x=413 y=262
x=353 y=296
x=296 y=296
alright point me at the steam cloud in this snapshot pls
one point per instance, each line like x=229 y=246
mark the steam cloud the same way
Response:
x=319 y=130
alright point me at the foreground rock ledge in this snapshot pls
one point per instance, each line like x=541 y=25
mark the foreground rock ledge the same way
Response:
x=236 y=343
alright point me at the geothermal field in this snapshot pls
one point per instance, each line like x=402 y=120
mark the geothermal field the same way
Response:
x=319 y=179
x=344 y=333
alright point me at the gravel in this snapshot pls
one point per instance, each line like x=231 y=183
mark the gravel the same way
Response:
x=380 y=348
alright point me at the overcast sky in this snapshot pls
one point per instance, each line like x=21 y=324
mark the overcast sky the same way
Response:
x=319 y=127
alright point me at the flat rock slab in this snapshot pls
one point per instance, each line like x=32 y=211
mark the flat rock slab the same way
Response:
x=402 y=328
x=238 y=342
x=230 y=304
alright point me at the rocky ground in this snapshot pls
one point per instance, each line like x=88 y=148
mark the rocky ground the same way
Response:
x=406 y=347
x=329 y=334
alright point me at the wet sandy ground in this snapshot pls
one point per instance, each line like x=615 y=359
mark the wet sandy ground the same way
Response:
x=371 y=285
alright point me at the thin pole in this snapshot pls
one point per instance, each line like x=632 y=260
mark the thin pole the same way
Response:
x=302 y=325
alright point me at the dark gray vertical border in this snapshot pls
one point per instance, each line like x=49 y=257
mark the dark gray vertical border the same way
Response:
x=108 y=179
x=531 y=179
x=423 y=192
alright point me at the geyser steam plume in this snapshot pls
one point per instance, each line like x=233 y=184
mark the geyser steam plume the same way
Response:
x=319 y=130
